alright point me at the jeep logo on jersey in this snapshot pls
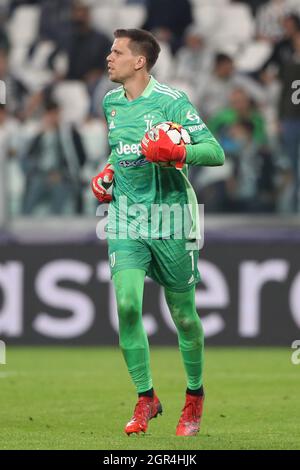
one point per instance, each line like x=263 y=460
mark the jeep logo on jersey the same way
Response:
x=192 y=116
x=126 y=149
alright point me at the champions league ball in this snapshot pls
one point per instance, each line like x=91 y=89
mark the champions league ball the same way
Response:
x=177 y=134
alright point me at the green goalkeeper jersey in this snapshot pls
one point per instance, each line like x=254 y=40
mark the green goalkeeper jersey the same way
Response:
x=149 y=200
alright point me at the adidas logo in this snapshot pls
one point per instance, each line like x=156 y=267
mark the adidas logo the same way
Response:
x=112 y=125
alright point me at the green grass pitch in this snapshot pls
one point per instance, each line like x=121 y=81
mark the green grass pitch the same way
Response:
x=81 y=398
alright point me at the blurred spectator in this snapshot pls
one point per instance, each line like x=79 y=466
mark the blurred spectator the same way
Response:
x=274 y=70
x=8 y=131
x=214 y=91
x=67 y=62
x=88 y=49
x=241 y=107
x=94 y=136
x=247 y=182
x=55 y=21
x=251 y=186
x=289 y=112
x=4 y=42
x=9 y=166
x=163 y=70
x=269 y=18
x=52 y=166
x=272 y=88
x=195 y=58
x=172 y=15
x=284 y=49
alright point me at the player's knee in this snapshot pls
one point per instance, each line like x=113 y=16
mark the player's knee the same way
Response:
x=128 y=311
x=189 y=324
x=191 y=332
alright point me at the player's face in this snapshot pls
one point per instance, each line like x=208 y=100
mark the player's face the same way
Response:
x=122 y=63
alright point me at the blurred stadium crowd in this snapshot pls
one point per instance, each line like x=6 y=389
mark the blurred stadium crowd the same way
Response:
x=238 y=61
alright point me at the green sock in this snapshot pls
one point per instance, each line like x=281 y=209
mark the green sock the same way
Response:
x=190 y=334
x=138 y=365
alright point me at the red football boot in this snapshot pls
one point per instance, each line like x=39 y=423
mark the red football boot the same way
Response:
x=190 y=419
x=145 y=409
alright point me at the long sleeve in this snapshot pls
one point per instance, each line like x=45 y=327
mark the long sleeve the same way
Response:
x=208 y=153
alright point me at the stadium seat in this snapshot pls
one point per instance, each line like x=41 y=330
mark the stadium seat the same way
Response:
x=17 y=57
x=131 y=16
x=74 y=101
x=237 y=26
x=108 y=18
x=105 y=19
x=253 y=56
x=34 y=71
x=24 y=25
x=226 y=26
x=208 y=18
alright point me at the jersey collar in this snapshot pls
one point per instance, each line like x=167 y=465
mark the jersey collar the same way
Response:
x=147 y=92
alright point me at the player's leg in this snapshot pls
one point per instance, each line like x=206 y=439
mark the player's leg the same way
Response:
x=174 y=265
x=129 y=287
x=191 y=344
x=190 y=334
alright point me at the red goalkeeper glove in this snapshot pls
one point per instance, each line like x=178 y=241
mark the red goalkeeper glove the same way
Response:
x=102 y=182
x=158 y=147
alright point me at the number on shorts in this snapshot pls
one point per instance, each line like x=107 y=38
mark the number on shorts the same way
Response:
x=193 y=261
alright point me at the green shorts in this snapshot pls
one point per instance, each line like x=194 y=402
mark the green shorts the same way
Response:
x=170 y=262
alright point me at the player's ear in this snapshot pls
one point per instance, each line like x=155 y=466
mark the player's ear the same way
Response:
x=140 y=62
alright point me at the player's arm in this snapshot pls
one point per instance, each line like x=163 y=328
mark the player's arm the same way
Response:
x=207 y=153
x=204 y=149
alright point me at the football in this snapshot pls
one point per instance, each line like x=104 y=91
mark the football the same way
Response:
x=177 y=134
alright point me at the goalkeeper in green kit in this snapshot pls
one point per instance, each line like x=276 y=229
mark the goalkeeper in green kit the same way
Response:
x=148 y=173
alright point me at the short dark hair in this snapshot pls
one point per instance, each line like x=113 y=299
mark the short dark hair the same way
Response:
x=141 y=41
